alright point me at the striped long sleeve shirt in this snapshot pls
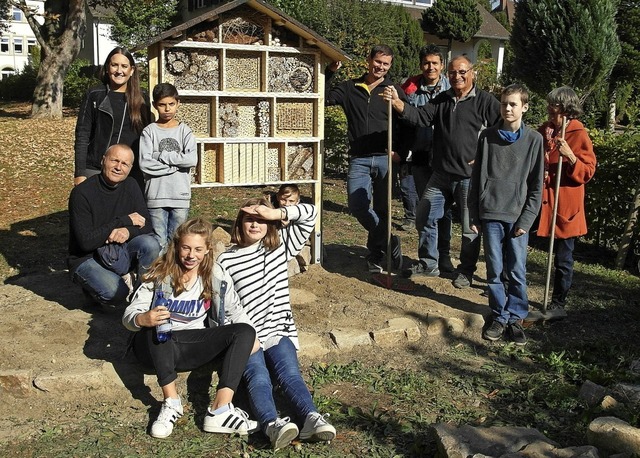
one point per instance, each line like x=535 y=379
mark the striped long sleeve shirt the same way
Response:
x=261 y=279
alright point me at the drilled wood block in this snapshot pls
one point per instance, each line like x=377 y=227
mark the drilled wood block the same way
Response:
x=243 y=26
x=244 y=162
x=238 y=118
x=192 y=69
x=196 y=113
x=242 y=71
x=300 y=162
x=291 y=73
x=294 y=119
x=209 y=166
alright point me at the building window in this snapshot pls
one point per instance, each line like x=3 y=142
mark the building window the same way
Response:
x=17 y=15
x=424 y=2
x=200 y=4
x=7 y=72
x=31 y=45
x=17 y=45
x=4 y=44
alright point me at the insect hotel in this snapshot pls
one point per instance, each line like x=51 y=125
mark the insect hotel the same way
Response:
x=251 y=84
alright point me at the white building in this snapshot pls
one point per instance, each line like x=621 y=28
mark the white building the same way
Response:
x=17 y=42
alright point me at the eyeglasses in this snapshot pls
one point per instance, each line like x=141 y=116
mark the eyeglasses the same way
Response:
x=555 y=105
x=459 y=72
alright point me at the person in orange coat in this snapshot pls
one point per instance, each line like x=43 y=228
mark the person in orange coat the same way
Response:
x=578 y=166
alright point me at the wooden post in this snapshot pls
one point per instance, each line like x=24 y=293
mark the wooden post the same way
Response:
x=553 y=220
x=632 y=220
x=389 y=187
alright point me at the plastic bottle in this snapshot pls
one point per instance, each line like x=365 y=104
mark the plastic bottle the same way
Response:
x=163 y=330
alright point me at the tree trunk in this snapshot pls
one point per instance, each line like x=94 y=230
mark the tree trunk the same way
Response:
x=60 y=39
x=629 y=229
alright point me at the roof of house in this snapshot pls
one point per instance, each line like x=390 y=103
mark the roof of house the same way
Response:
x=490 y=27
x=328 y=48
x=508 y=7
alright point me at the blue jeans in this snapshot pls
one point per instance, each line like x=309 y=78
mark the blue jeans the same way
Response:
x=165 y=221
x=440 y=193
x=499 y=246
x=107 y=287
x=408 y=192
x=281 y=363
x=563 y=262
x=421 y=175
x=368 y=200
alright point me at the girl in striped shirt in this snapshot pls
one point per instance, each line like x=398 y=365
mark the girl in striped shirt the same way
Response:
x=257 y=264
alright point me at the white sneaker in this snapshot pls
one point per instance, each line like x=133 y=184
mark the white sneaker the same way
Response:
x=233 y=421
x=317 y=429
x=281 y=432
x=163 y=426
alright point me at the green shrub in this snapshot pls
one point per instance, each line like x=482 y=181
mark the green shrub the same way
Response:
x=79 y=78
x=612 y=189
x=19 y=87
x=336 y=144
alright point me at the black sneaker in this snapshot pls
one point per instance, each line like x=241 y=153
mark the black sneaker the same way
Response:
x=494 y=331
x=419 y=269
x=445 y=265
x=462 y=281
x=396 y=252
x=515 y=333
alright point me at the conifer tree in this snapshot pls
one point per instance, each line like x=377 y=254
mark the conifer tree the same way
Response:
x=457 y=20
x=572 y=42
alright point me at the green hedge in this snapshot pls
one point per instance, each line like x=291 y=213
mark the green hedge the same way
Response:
x=612 y=189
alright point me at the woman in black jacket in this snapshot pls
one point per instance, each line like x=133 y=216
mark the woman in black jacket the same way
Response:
x=115 y=112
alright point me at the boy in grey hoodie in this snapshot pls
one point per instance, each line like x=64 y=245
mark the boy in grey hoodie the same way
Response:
x=167 y=153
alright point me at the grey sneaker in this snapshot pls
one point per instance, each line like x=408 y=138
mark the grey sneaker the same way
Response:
x=462 y=281
x=494 y=331
x=317 y=429
x=233 y=421
x=169 y=414
x=419 y=269
x=515 y=333
x=281 y=432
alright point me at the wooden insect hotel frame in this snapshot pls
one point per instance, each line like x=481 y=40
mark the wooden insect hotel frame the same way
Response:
x=251 y=83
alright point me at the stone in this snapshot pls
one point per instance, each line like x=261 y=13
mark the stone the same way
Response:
x=16 y=383
x=504 y=442
x=388 y=337
x=455 y=326
x=475 y=321
x=468 y=441
x=635 y=366
x=627 y=393
x=613 y=435
x=346 y=339
x=436 y=325
x=293 y=267
x=217 y=248
x=304 y=257
x=302 y=297
x=409 y=327
x=592 y=393
x=609 y=403
x=220 y=235
x=311 y=345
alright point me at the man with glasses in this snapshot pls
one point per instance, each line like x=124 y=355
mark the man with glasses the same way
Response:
x=458 y=115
